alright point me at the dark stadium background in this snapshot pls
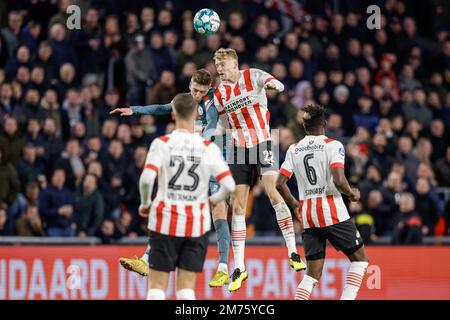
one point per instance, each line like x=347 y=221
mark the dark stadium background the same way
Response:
x=387 y=94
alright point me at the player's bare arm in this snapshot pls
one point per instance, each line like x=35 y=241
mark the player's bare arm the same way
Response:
x=343 y=186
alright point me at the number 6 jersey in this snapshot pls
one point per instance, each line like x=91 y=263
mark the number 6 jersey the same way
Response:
x=184 y=163
x=311 y=160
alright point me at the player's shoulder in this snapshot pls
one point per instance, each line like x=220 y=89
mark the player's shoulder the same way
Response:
x=331 y=142
x=163 y=139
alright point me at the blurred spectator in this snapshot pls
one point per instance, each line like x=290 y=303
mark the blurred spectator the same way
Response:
x=72 y=164
x=405 y=155
x=11 y=33
x=164 y=90
x=442 y=169
x=107 y=232
x=30 y=223
x=11 y=144
x=123 y=225
x=7 y=104
x=9 y=190
x=141 y=70
x=30 y=166
x=90 y=207
x=4 y=229
x=162 y=57
x=62 y=50
x=409 y=227
x=56 y=206
x=426 y=206
x=371 y=182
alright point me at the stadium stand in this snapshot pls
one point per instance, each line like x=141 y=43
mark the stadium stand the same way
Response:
x=387 y=93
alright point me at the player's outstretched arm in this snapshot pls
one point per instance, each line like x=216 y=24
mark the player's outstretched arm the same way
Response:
x=341 y=183
x=153 y=109
x=283 y=189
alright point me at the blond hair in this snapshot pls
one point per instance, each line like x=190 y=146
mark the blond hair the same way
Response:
x=222 y=54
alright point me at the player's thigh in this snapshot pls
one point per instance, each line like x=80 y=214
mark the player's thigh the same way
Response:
x=239 y=198
x=314 y=244
x=158 y=279
x=344 y=237
x=220 y=211
x=163 y=253
x=269 y=181
x=185 y=279
x=267 y=163
x=192 y=253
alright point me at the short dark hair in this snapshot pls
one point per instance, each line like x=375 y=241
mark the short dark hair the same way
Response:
x=202 y=76
x=314 y=117
x=184 y=104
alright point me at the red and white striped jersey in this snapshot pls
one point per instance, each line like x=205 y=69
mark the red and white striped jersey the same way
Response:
x=184 y=163
x=245 y=104
x=311 y=160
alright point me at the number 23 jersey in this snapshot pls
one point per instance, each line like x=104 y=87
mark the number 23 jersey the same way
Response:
x=311 y=160
x=184 y=163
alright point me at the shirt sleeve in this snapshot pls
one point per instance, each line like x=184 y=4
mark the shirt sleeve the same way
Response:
x=287 y=168
x=155 y=156
x=153 y=109
x=219 y=168
x=218 y=103
x=262 y=78
x=336 y=155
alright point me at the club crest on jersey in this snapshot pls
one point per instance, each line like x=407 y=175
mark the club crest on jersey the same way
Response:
x=311 y=142
x=200 y=110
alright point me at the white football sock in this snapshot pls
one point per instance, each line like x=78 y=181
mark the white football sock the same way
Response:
x=145 y=256
x=185 y=294
x=305 y=287
x=156 y=294
x=286 y=225
x=223 y=267
x=238 y=234
x=354 y=279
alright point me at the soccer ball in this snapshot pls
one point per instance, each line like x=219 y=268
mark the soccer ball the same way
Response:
x=206 y=21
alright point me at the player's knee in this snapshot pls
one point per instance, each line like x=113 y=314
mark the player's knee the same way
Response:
x=185 y=294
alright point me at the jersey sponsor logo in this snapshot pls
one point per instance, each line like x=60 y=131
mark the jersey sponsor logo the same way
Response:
x=315 y=191
x=315 y=147
x=200 y=110
x=238 y=104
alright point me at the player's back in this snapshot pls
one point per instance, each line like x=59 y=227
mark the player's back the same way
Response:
x=181 y=206
x=312 y=160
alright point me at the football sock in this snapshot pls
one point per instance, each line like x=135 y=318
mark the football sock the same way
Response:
x=185 y=294
x=156 y=294
x=238 y=234
x=305 y=287
x=223 y=240
x=286 y=225
x=354 y=279
x=145 y=256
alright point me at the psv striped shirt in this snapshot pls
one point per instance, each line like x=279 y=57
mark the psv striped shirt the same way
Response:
x=245 y=104
x=184 y=163
x=311 y=160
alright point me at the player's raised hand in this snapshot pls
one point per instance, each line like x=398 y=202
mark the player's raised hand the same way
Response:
x=123 y=112
x=143 y=211
x=355 y=196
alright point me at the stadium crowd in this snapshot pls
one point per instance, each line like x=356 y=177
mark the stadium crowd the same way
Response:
x=68 y=168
